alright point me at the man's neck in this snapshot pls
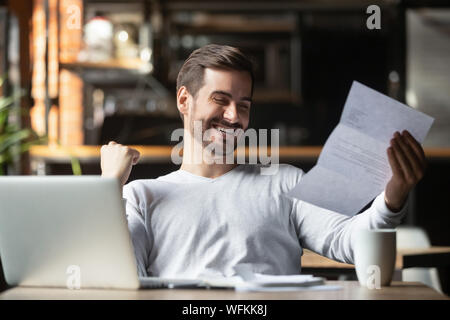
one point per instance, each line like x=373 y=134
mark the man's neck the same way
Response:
x=199 y=163
x=207 y=170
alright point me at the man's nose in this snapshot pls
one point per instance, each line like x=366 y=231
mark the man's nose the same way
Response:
x=231 y=114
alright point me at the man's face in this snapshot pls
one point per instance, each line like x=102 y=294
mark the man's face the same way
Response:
x=222 y=105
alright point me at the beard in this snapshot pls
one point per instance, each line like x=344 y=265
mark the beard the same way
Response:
x=218 y=142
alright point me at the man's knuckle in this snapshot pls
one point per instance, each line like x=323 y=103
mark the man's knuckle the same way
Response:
x=420 y=175
x=410 y=180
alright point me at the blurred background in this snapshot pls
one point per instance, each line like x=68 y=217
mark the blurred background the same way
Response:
x=77 y=74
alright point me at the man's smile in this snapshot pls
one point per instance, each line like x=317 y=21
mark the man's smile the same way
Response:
x=226 y=130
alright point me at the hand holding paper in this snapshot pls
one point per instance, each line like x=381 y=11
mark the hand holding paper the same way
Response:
x=354 y=167
x=407 y=160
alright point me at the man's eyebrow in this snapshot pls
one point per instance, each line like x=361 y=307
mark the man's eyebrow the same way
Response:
x=230 y=95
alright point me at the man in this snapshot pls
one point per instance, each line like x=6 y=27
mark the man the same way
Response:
x=207 y=217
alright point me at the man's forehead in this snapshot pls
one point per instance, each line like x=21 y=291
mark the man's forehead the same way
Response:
x=214 y=73
x=227 y=81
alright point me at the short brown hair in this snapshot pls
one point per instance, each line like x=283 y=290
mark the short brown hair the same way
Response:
x=212 y=56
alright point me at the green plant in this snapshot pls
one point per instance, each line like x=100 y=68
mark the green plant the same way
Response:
x=13 y=139
x=76 y=166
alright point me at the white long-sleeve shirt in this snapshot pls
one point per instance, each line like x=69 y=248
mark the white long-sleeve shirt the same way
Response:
x=184 y=225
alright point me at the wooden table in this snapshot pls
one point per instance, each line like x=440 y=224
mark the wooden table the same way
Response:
x=425 y=258
x=350 y=290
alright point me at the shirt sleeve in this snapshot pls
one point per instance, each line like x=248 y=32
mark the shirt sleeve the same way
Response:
x=331 y=234
x=142 y=240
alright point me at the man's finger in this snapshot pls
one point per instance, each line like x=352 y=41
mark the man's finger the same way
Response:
x=411 y=156
x=112 y=143
x=418 y=150
x=402 y=160
x=135 y=155
x=393 y=162
x=135 y=160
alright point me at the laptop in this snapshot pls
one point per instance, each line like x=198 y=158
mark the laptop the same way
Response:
x=69 y=231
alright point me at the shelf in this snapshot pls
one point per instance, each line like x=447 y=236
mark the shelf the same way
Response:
x=211 y=27
x=235 y=23
x=126 y=64
x=162 y=154
x=92 y=153
x=150 y=153
x=275 y=96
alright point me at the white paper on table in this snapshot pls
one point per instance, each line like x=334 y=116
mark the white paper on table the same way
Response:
x=270 y=283
x=353 y=167
x=325 y=287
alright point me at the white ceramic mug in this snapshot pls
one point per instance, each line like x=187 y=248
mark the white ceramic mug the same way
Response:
x=374 y=256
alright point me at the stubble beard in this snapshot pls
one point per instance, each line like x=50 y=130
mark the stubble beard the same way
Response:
x=219 y=149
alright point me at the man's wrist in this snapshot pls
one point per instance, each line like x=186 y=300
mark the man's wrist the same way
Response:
x=110 y=175
x=392 y=207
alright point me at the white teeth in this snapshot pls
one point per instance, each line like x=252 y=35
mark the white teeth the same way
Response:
x=227 y=131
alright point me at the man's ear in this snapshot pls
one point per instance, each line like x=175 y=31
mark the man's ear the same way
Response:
x=183 y=100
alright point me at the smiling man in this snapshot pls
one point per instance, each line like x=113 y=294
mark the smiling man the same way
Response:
x=207 y=217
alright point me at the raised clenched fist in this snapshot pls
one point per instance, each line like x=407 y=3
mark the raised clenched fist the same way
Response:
x=117 y=161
